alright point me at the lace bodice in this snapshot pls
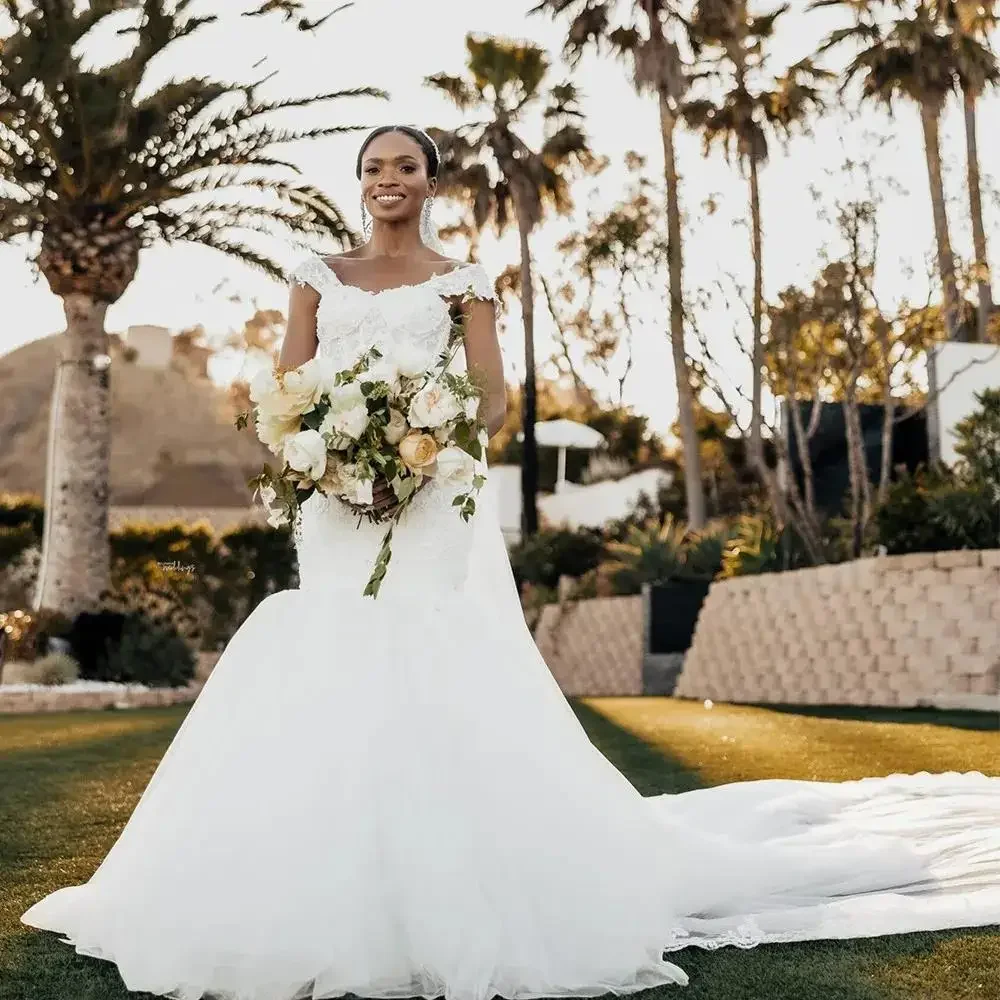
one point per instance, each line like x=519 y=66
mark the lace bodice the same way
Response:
x=349 y=320
x=432 y=543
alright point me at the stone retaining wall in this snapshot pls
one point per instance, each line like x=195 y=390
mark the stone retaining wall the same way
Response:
x=910 y=630
x=593 y=647
x=53 y=699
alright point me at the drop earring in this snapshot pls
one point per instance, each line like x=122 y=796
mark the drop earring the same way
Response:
x=366 y=221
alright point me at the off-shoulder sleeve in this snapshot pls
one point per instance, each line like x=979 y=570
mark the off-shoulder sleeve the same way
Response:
x=312 y=271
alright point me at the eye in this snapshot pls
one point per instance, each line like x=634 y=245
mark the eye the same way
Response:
x=371 y=170
x=408 y=168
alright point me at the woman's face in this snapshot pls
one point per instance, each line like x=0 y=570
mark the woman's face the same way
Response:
x=394 y=181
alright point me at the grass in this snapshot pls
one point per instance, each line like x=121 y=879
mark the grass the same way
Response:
x=68 y=783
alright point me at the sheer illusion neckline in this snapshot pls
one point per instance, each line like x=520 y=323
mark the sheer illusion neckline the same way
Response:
x=374 y=293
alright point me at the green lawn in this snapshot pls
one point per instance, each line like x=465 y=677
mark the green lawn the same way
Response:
x=68 y=783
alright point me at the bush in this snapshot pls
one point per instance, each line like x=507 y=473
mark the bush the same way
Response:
x=658 y=554
x=543 y=558
x=91 y=637
x=935 y=511
x=756 y=545
x=150 y=653
x=55 y=668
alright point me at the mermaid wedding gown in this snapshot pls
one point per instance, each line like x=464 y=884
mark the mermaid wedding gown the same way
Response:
x=393 y=798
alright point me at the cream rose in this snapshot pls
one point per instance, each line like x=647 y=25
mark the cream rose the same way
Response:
x=433 y=406
x=455 y=466
x=397 y=427
x=297 y=392
x=417 y=450
x=306 y=452
x=273 y=430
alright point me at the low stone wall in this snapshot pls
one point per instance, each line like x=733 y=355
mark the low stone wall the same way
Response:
x=593 y=647
x=910 y=630
x=55 y=699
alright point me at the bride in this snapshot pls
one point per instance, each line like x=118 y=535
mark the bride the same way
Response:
x=393 y=798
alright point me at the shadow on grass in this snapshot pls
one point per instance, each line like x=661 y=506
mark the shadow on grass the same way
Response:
x=953 y=719
x=857 y=969
x=51 y=835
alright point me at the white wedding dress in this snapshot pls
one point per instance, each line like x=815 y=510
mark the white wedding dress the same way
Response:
x=393 y=798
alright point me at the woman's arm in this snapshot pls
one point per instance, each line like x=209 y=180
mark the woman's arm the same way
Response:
x=484 y=361
x=300 y=341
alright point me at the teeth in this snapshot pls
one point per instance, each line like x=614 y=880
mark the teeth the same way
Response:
x=389 y=197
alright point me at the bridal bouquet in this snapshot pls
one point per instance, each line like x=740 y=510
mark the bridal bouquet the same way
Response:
x=337 y=431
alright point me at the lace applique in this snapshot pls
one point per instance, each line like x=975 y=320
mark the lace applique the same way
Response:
x=312 y=271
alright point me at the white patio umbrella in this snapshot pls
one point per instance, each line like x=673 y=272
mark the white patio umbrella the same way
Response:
x=563 y=434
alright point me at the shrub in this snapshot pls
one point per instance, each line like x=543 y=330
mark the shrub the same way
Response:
x=543 y=558
x=657 y=554
x=756 y=545
x=149 y=653
x=55 y=668
x=935 y=511
x=979 y=440
x=91 y=637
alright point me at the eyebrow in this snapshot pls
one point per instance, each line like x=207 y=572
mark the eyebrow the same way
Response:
x=379 y=159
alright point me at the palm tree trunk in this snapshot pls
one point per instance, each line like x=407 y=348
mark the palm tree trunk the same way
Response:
x=976 y=211
x=75 y=570
x=757 y=351
x=694 y=487
x=529 y=400
x=946 y=258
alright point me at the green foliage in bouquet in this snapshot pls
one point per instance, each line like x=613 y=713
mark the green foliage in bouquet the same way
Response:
x=337 y=433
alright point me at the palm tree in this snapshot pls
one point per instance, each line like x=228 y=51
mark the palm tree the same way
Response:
x=97 y=168
x=730 y=43
x=903 y=53
x=970 y=24
x=647 y=40
x=504 y=181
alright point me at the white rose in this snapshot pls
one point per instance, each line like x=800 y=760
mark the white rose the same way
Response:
x=455 y=466
x=348 y=413
x=385 y=370
x=471 y=407
x=306 y=452
x=410 y=360
x=397 y=427
x=433 y=406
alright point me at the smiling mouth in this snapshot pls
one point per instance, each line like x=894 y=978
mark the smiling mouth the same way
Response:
x=388 y=199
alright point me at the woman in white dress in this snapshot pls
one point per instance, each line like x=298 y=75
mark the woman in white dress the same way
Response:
x=393 y=798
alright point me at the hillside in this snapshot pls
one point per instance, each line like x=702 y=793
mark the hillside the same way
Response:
x=173 y=443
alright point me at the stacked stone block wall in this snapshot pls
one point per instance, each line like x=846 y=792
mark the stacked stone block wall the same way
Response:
x=593 y=647
x=911 y=630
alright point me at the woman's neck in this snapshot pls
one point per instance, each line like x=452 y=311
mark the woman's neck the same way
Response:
x=394 y=240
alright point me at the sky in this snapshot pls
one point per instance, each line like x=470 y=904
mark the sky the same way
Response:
x=395 y=45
